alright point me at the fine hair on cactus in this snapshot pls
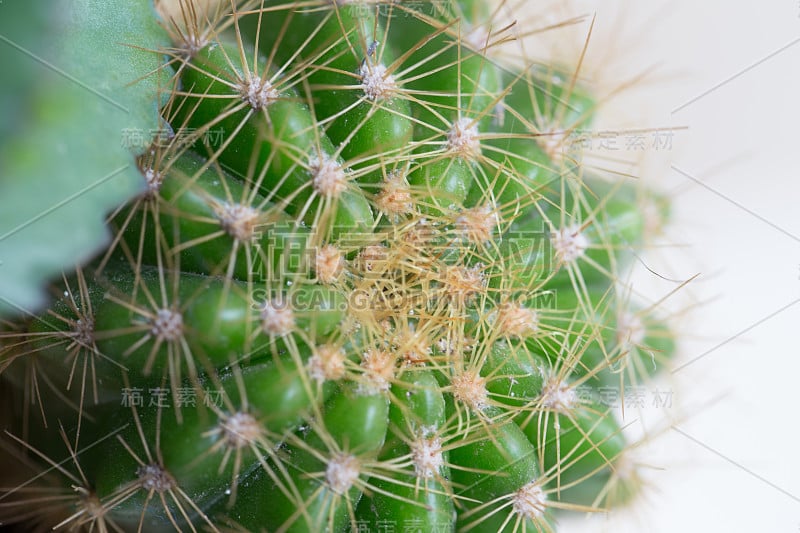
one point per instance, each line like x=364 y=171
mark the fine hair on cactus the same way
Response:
x=367 y=283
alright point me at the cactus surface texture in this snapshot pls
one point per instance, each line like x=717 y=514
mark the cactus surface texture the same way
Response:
x=369 y=285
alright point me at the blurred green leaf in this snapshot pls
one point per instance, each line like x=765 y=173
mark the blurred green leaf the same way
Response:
x=81 y=100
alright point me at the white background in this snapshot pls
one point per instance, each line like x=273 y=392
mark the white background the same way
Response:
x=726 y=456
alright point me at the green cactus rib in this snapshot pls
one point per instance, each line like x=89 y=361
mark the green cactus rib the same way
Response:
x=370 y=303
x=300 y=164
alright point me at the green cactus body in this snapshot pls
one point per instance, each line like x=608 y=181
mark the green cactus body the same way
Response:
x=420 y=497
x=368 y=305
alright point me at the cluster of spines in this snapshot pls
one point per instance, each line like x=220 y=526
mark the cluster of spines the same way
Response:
x=431 y=296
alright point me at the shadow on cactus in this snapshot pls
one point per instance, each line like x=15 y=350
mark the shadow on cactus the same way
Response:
x=366 y=288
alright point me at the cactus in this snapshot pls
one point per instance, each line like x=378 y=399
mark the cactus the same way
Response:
x=363 y=289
